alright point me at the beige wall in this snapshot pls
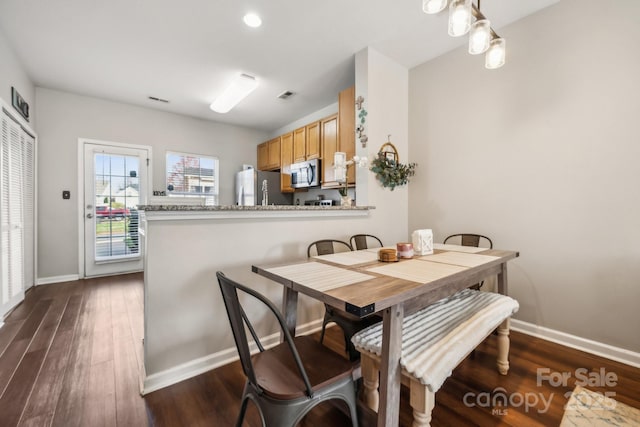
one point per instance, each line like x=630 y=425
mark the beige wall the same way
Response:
x=542 y=156
x=66 y=117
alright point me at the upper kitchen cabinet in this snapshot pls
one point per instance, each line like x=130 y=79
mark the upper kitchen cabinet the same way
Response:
x=269 y=155
x=300 y=144
x=286 y=158
x=347 y=127
x=263 y=156
x=329 y=144
x=338 y=133
x=274 y=153
x=313 y=140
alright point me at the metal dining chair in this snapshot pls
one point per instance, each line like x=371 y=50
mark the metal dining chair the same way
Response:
x=348 y=323
x=363 y=241
x=474 y=240
x=286 y=381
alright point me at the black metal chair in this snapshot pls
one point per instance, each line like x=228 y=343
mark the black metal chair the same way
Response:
x=475 y=240
x=361 y=241
x=469 y=239
x=286 y=381
x=349 y=324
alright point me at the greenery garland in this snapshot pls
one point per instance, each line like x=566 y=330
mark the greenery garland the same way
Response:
x=391 y=173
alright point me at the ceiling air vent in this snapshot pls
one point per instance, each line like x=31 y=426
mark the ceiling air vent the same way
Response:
x=153 y=98
x=285 y=94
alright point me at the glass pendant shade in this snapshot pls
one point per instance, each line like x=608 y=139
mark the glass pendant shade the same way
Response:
x=459 y=17
x=495 y=56
x=433 y=6
x=479 y=37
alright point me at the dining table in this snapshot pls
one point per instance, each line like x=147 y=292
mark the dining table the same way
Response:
x=357 y=282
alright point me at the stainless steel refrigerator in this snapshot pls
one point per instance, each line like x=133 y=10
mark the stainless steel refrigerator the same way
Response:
x=252 y=186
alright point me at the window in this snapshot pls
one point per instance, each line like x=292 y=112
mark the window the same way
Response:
x=192 y=175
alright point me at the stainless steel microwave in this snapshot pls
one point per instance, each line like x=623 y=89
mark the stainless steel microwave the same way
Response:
x=305 y=174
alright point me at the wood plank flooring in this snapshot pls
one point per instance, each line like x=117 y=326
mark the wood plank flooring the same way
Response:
x=71 y=354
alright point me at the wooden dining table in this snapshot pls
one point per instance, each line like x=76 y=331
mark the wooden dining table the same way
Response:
x=357 y=283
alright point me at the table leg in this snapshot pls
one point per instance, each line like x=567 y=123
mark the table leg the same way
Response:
x=390 y=371
x=289 y=310
x=502 y=280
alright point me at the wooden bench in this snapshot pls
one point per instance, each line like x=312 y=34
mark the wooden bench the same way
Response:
x=434 y=341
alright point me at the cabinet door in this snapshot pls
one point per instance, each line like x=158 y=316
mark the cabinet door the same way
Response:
x=286 y=158
x=274 y=154
x=263 y=156
x=313 y=141
x=347 y=129
x=300 y=144
x=329 y=145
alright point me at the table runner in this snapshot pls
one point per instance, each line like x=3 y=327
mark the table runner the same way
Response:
x=415 y=270
x=319 y=276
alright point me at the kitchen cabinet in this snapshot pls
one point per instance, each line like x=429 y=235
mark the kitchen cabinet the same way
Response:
x=300 y=144
x=338 y=133
x=263 y=156
x=286 y=158
x=274 y=154
x=347 y=127
x=313 y=140
x=269 y=155
x=329 y=145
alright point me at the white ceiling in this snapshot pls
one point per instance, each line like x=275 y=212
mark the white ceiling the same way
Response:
x=187 y=51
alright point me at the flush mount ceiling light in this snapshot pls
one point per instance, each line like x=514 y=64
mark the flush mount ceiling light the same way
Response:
x=482 y=38
x=239 y=88
x=252 y=20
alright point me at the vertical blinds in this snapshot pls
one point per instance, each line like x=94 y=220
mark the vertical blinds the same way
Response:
x=17 y=159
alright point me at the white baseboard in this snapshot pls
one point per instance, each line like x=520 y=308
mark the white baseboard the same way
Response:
x=195 y=367
x=198 y=366
x=57 y=279
x=599 y=349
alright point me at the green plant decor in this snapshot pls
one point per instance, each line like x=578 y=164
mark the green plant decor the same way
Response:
x=391 y=173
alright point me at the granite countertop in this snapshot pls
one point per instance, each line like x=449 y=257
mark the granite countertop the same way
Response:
x=190 y=208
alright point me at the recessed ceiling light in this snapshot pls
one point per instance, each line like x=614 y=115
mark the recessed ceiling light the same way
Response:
x=252 y=20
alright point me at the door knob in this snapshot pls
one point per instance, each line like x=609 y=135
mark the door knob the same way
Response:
x=89 y=215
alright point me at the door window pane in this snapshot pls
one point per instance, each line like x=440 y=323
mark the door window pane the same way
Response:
x=117 y=198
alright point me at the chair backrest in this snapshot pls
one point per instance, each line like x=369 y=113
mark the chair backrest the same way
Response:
x=238 y=319
x=328 y=246
x=470 y=239
x=362 y=241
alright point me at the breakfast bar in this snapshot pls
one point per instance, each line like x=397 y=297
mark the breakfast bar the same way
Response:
x=186 y=329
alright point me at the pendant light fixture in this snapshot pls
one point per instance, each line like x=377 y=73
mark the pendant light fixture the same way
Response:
x=479 y=37
x=495 y=56
x=433 y=6
x=482 y=38
x=459 y=17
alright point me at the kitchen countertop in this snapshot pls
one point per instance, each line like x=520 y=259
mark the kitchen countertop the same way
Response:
x=187 y=208
x=198 y=212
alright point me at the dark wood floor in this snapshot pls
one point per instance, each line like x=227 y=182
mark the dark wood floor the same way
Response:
x=71 y=353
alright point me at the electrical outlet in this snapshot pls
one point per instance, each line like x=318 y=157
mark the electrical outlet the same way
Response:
x=66 y=194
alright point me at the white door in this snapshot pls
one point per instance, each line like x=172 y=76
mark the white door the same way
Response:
x=115 y=182
x=11 y=214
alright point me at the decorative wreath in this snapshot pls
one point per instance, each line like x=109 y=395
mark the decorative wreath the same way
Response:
x=388 y=169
